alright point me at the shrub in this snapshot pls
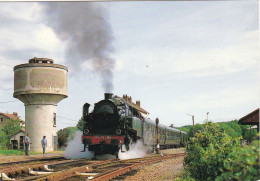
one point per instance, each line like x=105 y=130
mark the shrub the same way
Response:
x=207 y=152
x=215 y=155
x=242 y=164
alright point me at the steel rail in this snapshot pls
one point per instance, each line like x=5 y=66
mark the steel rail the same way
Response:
x=24 y=169
x=116 y=172
x=61 y=175
x=34 y=160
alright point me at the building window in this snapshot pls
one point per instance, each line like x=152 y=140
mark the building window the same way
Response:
x=54 y=119
x=2 y=120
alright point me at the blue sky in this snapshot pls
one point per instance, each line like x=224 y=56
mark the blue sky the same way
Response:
x=201 y=57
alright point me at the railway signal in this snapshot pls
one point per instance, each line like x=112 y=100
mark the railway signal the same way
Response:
x=193 y=130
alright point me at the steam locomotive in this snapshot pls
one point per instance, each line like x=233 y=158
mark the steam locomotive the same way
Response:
x=116 y=121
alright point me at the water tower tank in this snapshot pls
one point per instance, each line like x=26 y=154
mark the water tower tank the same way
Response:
x=40 y=85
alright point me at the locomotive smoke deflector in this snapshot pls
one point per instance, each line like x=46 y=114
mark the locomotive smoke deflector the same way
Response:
x=108 y=96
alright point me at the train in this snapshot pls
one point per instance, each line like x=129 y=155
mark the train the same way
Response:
x=117 y=121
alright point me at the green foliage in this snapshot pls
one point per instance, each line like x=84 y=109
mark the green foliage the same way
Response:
x=3 y=137
x=65 y=134
x=80 y=124
x=185 y=129
x=215 y=153
x=8 y=129
x=197 y=127
x=207 y=152
x=246 y=132
x=242 y=164
x=232 y=128
x=11 y=126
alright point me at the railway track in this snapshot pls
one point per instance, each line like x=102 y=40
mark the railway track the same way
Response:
x=29 y=161
x=19 y=170
x=128 y=165
x=85 y=169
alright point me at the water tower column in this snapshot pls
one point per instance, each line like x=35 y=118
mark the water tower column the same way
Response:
x=40 y=85
x=41 y=121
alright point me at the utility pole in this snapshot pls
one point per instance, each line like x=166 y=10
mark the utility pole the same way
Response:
x=193 y=130
x=157 y=136
x=207 y=116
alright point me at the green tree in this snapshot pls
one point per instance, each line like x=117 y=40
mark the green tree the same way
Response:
x=185 y=129
x=80 y=124
x=11 y=126
x=66 y=134
x=3 y=137
x=197 y=128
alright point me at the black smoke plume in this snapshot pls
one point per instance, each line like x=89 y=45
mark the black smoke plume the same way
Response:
x=84 y=27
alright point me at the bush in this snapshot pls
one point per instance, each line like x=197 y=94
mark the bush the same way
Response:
x=215 y=155
x=242 y=164
x=207 y=152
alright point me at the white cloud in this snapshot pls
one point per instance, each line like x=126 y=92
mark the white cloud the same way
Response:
x=28 y=11
x=225 y=98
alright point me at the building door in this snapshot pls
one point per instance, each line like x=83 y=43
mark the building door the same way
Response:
x=14 y=144
x=21 y=142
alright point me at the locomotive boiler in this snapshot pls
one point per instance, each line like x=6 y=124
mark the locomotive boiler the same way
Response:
x=116 y=121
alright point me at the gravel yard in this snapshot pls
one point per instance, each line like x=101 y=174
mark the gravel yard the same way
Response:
x=165 y=170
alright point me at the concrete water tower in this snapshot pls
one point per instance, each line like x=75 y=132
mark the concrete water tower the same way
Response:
x=40 y=85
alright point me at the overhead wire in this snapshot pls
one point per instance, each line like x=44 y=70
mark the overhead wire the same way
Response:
x=8 y=101
x=67 y=118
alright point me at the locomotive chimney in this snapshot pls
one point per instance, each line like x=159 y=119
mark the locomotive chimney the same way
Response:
x=130 y=99
x=85 y=110
x=108 y=96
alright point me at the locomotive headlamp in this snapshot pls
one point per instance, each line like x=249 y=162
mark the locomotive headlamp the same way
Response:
x=118 y=131
x=86 y=131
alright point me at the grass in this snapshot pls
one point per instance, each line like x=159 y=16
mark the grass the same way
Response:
x=22 y=152
x=11 y=152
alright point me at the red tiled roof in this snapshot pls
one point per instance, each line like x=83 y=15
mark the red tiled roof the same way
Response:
x=11 y=116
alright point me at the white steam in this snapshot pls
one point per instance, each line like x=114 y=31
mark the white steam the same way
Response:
x=74 y=148
x=136 y=150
